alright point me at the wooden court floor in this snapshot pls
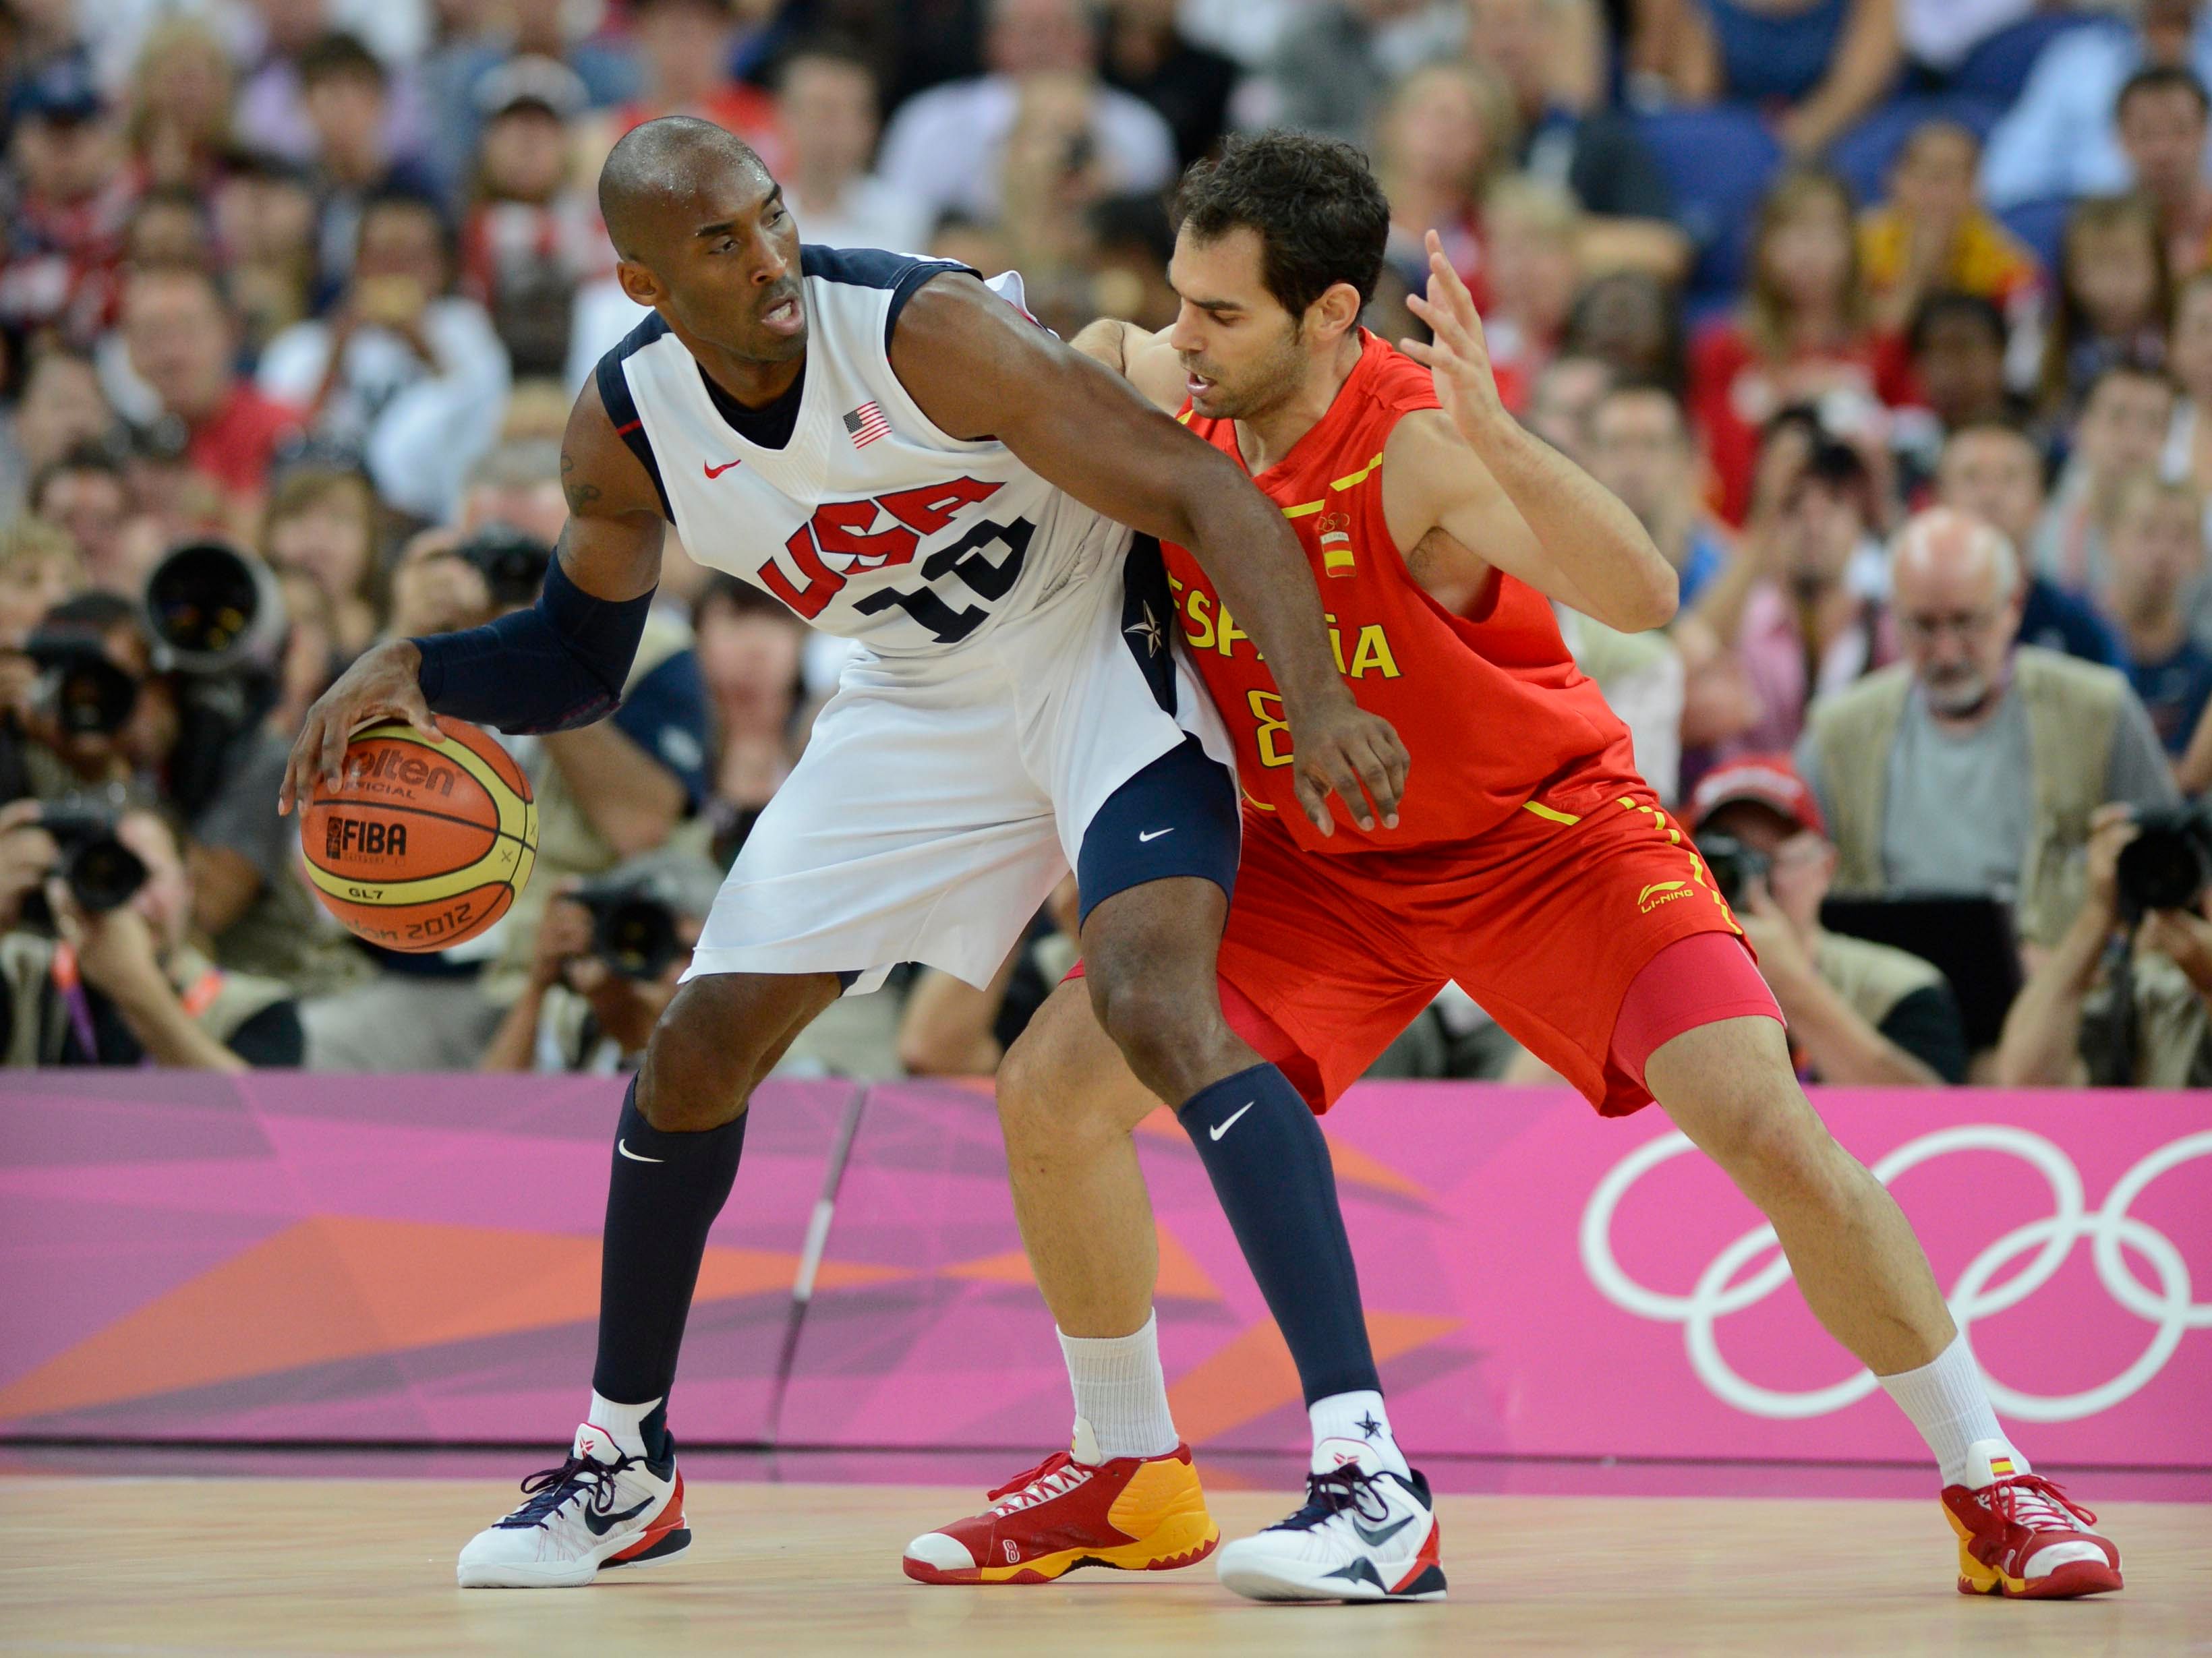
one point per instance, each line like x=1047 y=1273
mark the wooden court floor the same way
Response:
x=310 y=1566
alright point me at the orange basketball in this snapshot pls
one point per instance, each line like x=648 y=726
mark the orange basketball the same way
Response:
x=422 y=845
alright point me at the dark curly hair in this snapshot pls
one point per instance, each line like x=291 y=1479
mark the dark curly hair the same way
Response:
x=1319 y=214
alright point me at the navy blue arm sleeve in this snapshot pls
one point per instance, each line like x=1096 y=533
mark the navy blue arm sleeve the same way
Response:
x=556 y=665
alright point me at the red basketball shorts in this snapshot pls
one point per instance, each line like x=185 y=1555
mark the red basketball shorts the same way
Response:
x=1546 y=919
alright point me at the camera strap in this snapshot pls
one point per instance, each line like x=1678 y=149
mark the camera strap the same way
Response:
x=69 y=980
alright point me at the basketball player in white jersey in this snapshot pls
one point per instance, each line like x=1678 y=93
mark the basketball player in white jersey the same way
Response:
x=904 y=458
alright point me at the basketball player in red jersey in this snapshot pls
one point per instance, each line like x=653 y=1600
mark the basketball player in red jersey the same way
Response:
x=1530 y=863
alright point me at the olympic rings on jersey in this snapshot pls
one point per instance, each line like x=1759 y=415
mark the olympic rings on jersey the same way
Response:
x=2109 y=1230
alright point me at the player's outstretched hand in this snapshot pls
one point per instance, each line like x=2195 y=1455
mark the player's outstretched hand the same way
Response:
x=1345 y=751
x=381 y=684
x=1459 y=358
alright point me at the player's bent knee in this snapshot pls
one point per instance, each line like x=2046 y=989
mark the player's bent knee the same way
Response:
x=1167 y=1037
x=703 y=1060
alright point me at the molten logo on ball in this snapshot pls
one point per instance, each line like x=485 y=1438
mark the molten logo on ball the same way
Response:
x=385 y=767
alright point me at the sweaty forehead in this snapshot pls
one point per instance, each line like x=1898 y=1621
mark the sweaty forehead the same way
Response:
x=662 y=207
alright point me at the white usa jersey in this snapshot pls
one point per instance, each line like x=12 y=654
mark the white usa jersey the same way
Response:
x=869 y=521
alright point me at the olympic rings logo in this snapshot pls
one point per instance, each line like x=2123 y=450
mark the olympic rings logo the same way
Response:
x=2109 y=1228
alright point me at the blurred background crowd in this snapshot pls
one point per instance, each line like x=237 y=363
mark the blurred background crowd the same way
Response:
x=1890 y=319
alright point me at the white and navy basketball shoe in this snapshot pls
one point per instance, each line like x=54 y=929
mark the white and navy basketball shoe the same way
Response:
x=600 y=1509
x=1363 y=1535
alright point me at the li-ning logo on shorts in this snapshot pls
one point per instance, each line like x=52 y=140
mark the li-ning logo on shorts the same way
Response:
x=1730 y=1284
x=368 y=840
x=1660 y=892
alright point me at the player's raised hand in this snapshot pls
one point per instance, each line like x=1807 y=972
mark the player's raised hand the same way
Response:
x=1459 y=358
x=382 y=684
x=1345 y=751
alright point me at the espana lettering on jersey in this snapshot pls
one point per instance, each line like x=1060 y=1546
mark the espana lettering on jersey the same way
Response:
x=880 y=532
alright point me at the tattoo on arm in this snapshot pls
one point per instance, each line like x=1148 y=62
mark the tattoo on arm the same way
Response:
x=580 y=494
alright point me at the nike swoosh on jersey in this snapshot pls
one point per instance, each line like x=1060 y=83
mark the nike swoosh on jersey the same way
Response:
x=1230 y=1122
x=602 y=1524
x=623 y=1146
x=1153 y=835
x=717 y=471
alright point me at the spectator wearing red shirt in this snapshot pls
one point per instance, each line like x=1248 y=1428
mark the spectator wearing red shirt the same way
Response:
x=1803 y=335
x=686 y=48
x=182 y=341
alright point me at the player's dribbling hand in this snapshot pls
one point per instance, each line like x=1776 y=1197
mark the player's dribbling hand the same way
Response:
x=381 y=685
x=1345 y=751
x=1459 y=357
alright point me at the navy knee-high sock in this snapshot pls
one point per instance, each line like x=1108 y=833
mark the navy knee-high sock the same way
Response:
x=664 y=1194
x=1269 y=1165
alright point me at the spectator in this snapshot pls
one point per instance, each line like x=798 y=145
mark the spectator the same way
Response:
x=2162 y=121
x=1532 y=229
x=949 y=1029
x=1955 y=348
x=346 y=93
x=1630 y=321
x=39 y=568
x=1330 y=69
x=750 y=649
x=170 y=225
x=265 y=217
x=532 y=236
x=1595 y=154
x=124 y=987
x=2156 y=564
x=1562 y=401
x=83 y=494
x=1051 y=179
x=1644 y=680
x=406 y=373
x=270 y=115
x=1132 y=242
x=72 y=199
x=61 y=406
x=1973 y=766
x=311 y=654
x=1802 y=333
x=518 y=484
x=2124 y=419
x=1640 y=449
x=945 y=149
x=686 y=49
x=585 y=1009
x=181 y=90
x=1932 y=236
x=1148 y=56
x=1992 y=470
x=2065 y=1027
x=1800 y=626
x=2112 y=299
x=826 y=103
x=2189 y=358
x=1444 y=133
x=321 y=524
x=1860 y=1014
x=479 y=36
x=181 y=340
x=2060 y=138
x=1823 y=62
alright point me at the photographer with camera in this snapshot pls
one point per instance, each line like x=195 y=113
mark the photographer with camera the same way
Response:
x=95 y=968
x=1860 y=1013
x=2125 y=999
x=608 y=956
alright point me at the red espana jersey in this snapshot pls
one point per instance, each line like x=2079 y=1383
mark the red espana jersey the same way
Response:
x=1490 y=705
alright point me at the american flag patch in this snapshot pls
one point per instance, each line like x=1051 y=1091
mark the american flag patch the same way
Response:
x=866 y=424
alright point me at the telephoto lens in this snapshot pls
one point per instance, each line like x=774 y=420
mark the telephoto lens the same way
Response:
x=87 y=695
x=215 y=610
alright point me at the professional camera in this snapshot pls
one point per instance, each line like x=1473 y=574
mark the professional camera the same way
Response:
x=2169 y=863
x=87 y=695
x=218 y=621
x=1735 y=865
x=633 y=932
x=100 y=872
x=513 y=564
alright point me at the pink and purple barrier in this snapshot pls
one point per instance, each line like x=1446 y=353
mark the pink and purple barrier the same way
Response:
x=286 y=1257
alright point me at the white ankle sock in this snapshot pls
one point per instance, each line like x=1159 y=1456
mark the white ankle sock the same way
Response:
x=1349 y=1426
x=1120 y=1393
x=1950 y=1406
x=624 y=1424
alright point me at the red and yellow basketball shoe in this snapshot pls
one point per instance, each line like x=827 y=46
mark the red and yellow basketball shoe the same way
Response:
x=2020 y=1536
x=1133 y=1513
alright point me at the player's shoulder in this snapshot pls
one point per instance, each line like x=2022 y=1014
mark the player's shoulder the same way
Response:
x=876 y=277
x=1392 y=382
x=607 y=462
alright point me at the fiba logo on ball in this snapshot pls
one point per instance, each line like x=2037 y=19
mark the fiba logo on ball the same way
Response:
x=2110 y=1229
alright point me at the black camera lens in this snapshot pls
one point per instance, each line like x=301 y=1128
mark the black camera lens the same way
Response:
x=88 y=694
x=100 y=872
x=636 y=938
x=1734 y=865
x=2169 y=863
x=514 y=564
x=216 y=608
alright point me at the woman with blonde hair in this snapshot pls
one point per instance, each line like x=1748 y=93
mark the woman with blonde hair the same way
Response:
x=181 y=92
x=1445 y=132
x=1804 y=334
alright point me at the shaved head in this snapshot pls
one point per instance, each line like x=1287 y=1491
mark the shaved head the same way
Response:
x=659 y=166
x=1957 y=594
